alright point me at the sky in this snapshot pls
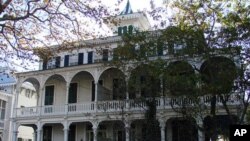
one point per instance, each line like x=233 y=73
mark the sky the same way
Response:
x=135 y=4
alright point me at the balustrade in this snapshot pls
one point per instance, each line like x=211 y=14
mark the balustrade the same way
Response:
x=118 y=105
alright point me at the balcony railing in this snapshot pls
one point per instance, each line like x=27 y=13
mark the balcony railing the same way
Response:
x=116 y=106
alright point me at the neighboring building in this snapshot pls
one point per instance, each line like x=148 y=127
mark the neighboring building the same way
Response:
x=27 y=98
x=7 y=84
x=79 y=98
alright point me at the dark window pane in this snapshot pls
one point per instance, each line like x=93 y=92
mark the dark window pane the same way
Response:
x=44 y=65
x=58 y=61
x=47 y=133
x=72 y=133
x=80 y=58
x=90 y=57
x=105 y=55
x=66 y=61
x=125 y=30
x=73 y=93
x=119 y=31
x=130 y=29
x=49 y=95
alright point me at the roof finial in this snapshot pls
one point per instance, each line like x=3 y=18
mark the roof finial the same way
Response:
x=127 y=10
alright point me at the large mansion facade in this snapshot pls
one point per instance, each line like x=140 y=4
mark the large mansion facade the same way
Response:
x=78 y=97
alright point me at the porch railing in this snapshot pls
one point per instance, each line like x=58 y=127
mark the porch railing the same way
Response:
x=116 y=106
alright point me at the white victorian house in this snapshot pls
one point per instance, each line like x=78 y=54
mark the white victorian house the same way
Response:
x=78 y=97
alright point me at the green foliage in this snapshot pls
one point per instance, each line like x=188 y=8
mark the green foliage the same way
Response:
x=180 y=78
x=218 y=73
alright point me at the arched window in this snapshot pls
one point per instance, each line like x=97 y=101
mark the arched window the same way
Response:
x=125 y=29
x=130 y=29
x=119 y=31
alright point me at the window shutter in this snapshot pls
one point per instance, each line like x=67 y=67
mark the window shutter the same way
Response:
x=58 y=61
x=80 y=58
x=125 y=29
x=130 y=29
x=90 y=57
x=119 y=31
x=44 y=65
x=66 y=61
x=105 y=55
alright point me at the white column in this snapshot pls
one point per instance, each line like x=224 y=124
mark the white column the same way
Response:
x=95 y=132
x=38 y=132
x=16 y=102
x=66 y=132
x=127 y=130
x=162 y=126
x=201 y=134
x=67 y=98
x=40 y=100
x=95 y=128
x=96 y=91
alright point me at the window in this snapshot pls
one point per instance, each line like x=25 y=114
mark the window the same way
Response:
x=47 y=133
x=105 y=55
x=125 y=28
x=72 y=133
x=2 y=109
x=66 y=61
x=80 y=58
x=49 y=95
x=51 y=63
x=72 y=93
x=90 y=57
x=119 y=31
x=130 y=29
x=73 y=59
x=28 y=93
x=89 y=135
x=58 y=61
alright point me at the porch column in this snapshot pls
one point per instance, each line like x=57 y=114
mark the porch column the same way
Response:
x=40 y=100
x=16 y=102
x=127 y=94
x=126 y=81
x=38 y=132
x=96 y=90
x=67 y=97
x=162 y=127
x=201 y=134
x=95 y=128
x=127 y=130
x=66 y=132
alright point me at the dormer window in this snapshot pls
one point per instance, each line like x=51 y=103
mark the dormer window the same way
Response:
x=130 y=29
x=125 y=29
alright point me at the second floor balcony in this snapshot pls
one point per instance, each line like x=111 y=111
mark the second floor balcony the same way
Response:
x=118 y=106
